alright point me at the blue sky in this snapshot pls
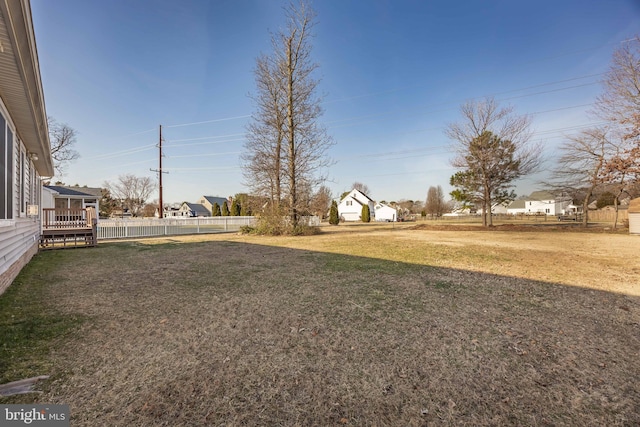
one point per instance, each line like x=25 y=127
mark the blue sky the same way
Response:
x=393 y=75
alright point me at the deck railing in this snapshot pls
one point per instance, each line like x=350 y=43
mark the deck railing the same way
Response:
x=67 y=218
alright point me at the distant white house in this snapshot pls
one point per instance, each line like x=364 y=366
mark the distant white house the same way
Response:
x=496 y=208
x=385 y=213
x=350 y=207
x=540 y=202
x=517 y=207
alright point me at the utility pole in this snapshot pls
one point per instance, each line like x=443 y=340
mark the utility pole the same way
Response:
x=159 y=171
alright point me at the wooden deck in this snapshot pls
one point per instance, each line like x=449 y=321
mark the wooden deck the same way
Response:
x=68 y=228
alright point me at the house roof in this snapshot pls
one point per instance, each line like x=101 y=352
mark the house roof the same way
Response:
x=66 y=191
x=94 y=191
x=21 y=85
x=213 y=199
x=197 y=208
x=541 y=195
x=517 y=204
x=354 y=193
x=383 y=206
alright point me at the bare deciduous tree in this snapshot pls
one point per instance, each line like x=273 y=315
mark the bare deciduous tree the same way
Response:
x=361 y=187
x=62 y=138
x=493 y=150
x=262 y=157
x=435 y=204
x=132 y=191
x=580 y=165
x=619 y=104
x=321 y=202
x=286 y=147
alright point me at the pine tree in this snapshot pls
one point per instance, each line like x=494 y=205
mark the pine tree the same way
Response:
x=225 y=209
x=215 y=210
x=333 y=214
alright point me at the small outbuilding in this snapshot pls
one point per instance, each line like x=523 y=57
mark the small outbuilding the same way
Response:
x=634 y=216
x=385 y=213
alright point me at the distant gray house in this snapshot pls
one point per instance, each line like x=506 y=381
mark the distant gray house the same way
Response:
x=208 y=202
x=193 y=210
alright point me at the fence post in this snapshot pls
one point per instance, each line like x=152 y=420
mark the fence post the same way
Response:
x=225 y=224
x=198 y=226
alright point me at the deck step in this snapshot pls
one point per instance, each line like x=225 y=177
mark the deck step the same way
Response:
x=70 y=238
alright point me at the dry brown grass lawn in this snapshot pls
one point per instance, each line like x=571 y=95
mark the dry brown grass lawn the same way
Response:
x=375 y=326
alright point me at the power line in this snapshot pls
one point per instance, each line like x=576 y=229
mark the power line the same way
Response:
x=207 y=143
x=122 y=152
x=204 y=137
x=209 y=121
x=203 y=155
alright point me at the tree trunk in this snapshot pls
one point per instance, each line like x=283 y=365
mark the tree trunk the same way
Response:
x=615 y=217
x=585 y=208
x=293 y=198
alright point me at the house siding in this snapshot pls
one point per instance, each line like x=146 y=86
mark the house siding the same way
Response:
x=19 y=235
x=24 y=145
x=18 y=244
x=634 y=223
x=353 y=211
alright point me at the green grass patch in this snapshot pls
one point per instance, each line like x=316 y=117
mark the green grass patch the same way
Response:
x=30 y=324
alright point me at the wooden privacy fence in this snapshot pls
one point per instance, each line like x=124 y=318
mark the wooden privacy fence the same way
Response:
x=607 y=215
x=129 y=228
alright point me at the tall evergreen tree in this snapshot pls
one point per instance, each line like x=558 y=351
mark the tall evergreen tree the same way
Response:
x=215 y=210
x=333 y=214
x=235 y=208
x=365 y=214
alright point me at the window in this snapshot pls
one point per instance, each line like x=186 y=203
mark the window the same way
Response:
x=62 y=203
x=349 y=202
x=3 y=168
x=6 y=170
x=20 y=180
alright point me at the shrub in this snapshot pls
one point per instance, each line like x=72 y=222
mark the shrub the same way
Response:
x=225 y=209
x=366 y=214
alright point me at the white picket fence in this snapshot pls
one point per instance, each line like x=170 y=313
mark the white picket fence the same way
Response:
x=129 y=228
